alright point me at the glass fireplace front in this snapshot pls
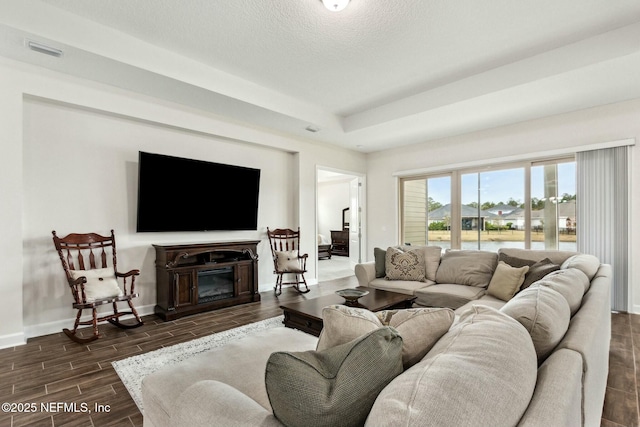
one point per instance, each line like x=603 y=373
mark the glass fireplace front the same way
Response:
x=215 y=284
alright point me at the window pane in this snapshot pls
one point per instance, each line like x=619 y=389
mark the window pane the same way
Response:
x=414 y=212
x=470 y=217
x=439 y=217
x=494 y=216
x=553 y=206
x=426 y=211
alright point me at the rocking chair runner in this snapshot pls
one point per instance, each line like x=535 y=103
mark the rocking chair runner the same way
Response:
x=285 y=250
x=95 y=285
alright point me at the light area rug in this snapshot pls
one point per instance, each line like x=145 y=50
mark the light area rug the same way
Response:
x=133 y=369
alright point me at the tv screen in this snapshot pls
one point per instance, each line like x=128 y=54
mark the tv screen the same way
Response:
x=178 y=194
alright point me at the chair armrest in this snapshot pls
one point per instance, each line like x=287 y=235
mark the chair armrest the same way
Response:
x=77 y=289
x=128 y=273
x=365 y=272
x=207 y=402
x=132 y=285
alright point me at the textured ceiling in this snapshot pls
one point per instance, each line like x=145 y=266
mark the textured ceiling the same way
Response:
x=380 y=73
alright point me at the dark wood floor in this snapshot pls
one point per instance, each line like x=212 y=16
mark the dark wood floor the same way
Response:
x=622 y=398
x=54 y=370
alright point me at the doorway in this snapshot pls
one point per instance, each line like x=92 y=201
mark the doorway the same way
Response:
x=339 y=222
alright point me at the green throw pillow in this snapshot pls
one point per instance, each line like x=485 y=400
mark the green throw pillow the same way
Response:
x=336 y=386
x=379 y=255
x=537 y=271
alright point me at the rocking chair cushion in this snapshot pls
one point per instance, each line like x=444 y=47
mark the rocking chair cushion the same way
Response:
x=101 y=283
x=288 y=261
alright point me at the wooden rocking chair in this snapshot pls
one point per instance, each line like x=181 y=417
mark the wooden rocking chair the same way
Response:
x=94 y=285
x=285 y=250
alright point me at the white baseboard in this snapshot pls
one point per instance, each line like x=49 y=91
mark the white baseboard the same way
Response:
x=12 y=340
x=58 y=325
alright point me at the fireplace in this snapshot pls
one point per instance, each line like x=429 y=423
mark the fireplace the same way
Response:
x=215 y=284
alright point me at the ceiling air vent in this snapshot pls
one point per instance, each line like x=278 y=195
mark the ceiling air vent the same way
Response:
x=41 y=48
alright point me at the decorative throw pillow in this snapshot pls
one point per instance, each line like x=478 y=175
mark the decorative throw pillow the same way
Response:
x=342 y=324
x=432 y=256
x=380 y=255
x=288 y=261
x=506 y=281
x=101 y=283
x=420 y=328
x=537 y=271
x=401 y=265
x=515 y=261
x=336 y=386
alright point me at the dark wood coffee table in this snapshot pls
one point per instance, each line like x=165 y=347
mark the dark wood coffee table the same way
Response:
x=307 y=315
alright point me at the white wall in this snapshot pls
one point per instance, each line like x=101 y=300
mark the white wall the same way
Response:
x=333 y=197
x=69 y=163
x=80 y=172
x=597 y=125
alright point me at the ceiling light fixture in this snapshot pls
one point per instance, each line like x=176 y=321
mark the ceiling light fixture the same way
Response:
x=335 y=5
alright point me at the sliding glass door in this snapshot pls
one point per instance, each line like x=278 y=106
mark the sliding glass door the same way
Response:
x=528 y=205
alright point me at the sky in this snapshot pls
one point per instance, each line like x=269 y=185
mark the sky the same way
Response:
x=500 y=186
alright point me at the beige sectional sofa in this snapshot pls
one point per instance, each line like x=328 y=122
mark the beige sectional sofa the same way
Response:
x=540 y=358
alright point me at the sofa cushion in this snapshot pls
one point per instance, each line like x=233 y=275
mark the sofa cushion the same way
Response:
x=506 y=280
x=545 y=315
x=558 y=397
x=537 y=271
x=408 y=287
x=571 y=284
x=101 y=283
x=419 y=328
x=336 y=386
x=486 y=300
x=209 y=400
x=465 y=267
x=480 y=373
x=380 y=258
x=447 y=295
x=587 y=263
x=401 y=265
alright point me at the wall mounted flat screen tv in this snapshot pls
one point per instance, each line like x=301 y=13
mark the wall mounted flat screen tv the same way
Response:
x=178 y=194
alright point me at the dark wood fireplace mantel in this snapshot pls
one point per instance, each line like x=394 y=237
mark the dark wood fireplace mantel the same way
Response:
x=179 y=267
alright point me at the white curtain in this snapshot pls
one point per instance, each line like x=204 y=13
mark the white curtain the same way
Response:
x=603 y=214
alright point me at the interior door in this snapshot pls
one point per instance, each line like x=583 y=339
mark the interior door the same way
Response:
x=355 y=223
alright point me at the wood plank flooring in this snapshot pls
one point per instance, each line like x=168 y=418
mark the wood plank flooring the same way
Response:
x=55 y=371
